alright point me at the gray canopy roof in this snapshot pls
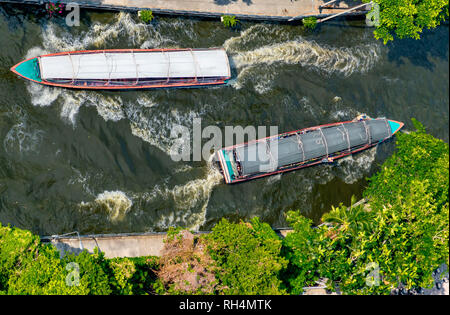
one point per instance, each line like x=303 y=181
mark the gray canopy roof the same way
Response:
x=268 y=155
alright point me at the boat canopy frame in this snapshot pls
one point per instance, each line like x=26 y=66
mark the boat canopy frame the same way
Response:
x=340 y=145
x=189 y=69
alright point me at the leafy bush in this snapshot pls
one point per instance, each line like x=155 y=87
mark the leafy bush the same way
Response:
x=43 y=275
x=93 y=271
x=303 y=248
x=17 y=248
x=310 y=22
x=229 y=20
x=146 y=16
x=132 y=276
x=419 y=156
x=247 y=256
x=47 y=274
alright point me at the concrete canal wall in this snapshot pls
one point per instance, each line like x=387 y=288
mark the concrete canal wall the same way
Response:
x=112 y=245
x=275 y=10
x=117 y=245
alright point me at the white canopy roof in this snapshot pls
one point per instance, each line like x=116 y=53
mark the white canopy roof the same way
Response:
x=130 y=65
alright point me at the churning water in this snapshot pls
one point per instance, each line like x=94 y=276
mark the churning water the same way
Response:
x=98 y=161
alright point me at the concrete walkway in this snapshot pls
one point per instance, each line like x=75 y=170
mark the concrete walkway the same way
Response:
x=281 y=10
x=117 y=245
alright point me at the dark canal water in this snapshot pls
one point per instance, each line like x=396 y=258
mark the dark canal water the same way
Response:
x=98 y=162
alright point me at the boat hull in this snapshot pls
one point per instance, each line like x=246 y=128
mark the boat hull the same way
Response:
x=27 y=70
x=224 y=162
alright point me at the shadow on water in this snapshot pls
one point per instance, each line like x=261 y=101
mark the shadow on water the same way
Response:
x=433 y=43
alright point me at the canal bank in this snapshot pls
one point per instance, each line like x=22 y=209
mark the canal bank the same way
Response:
x=132 y=244
x=151 y=244
x=117 y=245
x=262 y=10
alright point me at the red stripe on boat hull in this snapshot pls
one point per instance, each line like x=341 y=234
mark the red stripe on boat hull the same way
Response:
x=123 y=87
x=368 y=146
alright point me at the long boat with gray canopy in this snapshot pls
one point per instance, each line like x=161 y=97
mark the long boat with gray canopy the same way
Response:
x=301 y=148
x=128 y=68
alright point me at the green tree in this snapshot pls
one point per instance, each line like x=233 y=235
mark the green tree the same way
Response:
x=407 y=18
x=247 y=256
x=43 y=275
x=350 y=220
x=132 y=276
x=17 y=249
x=30 y=267
x=418 y=156
x=93 y=271
x=303 y=248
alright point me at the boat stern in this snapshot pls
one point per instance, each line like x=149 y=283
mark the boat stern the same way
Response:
x=28 y=69
x=395 y=126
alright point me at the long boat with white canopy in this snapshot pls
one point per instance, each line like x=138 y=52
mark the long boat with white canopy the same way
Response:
x=128 y=68
x=302 y=148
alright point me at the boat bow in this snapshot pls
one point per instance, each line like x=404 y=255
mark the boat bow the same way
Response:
x=28 y=69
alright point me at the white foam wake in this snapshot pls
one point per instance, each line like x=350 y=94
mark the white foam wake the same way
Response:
x=190 y=200
x=260 y=45
x=115 y=204
x=310 y=54
x=23 y=138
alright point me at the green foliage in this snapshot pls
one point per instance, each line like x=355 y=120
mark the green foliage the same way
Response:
x=146 y=16
x=407 y=18
x=172 y=233
x=410 y=196
x=30 y=267
x=229 y=20
x=418 y=156
x=350 y=220
x=132 y=276
x=310 y=22
x=401 y=238
x=43 y=275
x=93 y=271
x=17 y=248
x=303 y=249
x=247 y=256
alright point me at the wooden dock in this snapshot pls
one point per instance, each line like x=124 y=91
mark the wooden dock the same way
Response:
x=269 y=10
